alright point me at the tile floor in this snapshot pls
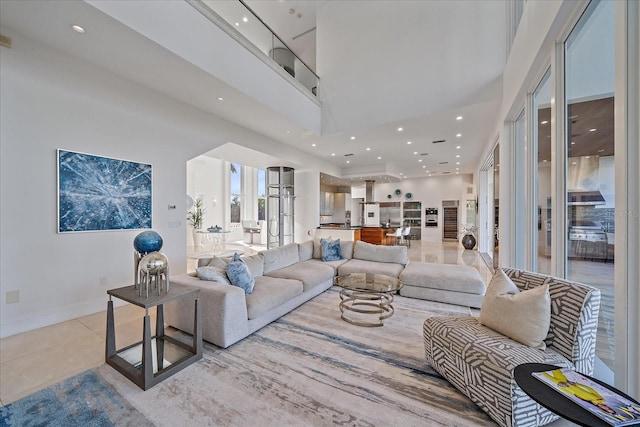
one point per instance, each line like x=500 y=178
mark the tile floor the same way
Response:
x=37 y=359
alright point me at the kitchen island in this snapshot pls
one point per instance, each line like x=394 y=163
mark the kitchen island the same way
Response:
x=339 y=232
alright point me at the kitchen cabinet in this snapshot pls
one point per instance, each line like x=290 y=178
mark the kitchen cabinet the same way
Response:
x=412 y=217
x=326 y=203
x=374 y=235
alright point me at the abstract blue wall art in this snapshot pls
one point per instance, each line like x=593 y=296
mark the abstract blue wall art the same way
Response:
x=99 y=193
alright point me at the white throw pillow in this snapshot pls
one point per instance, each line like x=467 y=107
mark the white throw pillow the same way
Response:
x=213 y=274
x=522 y=316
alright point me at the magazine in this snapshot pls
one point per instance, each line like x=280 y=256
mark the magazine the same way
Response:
x=610 y=406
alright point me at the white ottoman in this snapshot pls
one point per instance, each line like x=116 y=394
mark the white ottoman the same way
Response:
x=448 y=283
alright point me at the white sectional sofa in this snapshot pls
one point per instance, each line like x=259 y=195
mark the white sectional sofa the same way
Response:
x=285 y=278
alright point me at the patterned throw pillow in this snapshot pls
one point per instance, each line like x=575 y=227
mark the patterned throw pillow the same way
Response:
x=239 y=274
x=213 y=274
x=330 y=250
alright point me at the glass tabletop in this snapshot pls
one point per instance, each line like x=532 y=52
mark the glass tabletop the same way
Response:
x=369 y=282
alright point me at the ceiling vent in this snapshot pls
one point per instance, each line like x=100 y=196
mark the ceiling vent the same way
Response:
x=440 y=141
x=444 y=173
x=348 y=155
x=443 y=163
x=424 y=154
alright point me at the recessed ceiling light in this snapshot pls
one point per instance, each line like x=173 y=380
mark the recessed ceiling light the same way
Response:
x=348 y=161
x=379 y=158
x=587 y=157
x=415 y=152
x=457 y=173
x=409 y=142
x=457 y=163
x=333 y=154
x=78 y=29
x=288 y=131
x=545 y=160
x=459 y=118
x=457 y=156
x=400 y=129
x=429 y=174
x=593 y=130
x=220 y=98
x=237 y=24
x=245 y=19
x=458 y=135
x=368 y=148
x=313 y=145
x=457 y=147
x=544 y=122
x=424 y=166
x=420 y=160
x=573 y=143
x=352 y=138
x=400 y=173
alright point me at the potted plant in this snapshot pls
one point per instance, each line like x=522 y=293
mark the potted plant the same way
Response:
x=195 y=218
x=468 y=234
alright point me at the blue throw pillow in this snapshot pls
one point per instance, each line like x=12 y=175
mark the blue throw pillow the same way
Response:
x=239 y=274
x=330 y=250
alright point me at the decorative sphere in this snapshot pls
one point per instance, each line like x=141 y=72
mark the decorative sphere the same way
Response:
x=147 y=241
x=153 y=263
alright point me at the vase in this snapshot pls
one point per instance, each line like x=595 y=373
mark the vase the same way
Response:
x=196 y=238
x=468 y=241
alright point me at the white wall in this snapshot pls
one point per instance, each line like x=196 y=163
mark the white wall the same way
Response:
x=49 y=100
x=431 y=191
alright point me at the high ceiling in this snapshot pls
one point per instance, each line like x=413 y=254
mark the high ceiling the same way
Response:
x=383 y=65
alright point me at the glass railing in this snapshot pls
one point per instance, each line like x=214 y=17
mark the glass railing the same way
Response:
x=247 y=23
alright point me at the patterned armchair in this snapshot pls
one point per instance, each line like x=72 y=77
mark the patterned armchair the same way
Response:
x=480 y=362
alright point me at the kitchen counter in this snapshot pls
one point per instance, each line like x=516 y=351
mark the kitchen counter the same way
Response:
x=337 y=232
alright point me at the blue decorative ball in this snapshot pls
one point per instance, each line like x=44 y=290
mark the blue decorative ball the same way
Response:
x=147 y=241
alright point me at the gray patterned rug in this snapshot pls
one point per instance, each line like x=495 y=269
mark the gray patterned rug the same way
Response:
x=309 y=368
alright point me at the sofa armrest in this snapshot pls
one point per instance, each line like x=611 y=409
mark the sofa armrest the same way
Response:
x=223 y=307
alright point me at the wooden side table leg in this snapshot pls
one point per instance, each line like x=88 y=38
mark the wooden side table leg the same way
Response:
x=110 y=348
x=147 y=357
x=197 y=328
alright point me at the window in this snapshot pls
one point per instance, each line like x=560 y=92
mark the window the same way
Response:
x=235 y=191
x=541 y=149
x=589 y=162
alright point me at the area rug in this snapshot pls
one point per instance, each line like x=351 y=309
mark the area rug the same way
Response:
x=309 y=368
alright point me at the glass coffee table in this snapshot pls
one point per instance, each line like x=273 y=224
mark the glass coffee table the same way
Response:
x=367 y=294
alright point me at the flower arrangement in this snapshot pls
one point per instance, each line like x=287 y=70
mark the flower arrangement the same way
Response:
x=468 y=229
x=196 y=216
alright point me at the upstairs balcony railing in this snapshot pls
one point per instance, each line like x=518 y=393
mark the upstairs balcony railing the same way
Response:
x=241 y=18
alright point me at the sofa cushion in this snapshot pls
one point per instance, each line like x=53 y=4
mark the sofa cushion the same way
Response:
x=361 y=266
x=449 y=277
x=213 y=274
x=522 y=316
x=269 y=293
x=330 y=250
x=311 y=273
x=346 y=249
x=379 y=253
x=255 y=263
x=277 y=258
x=305 y=250
x=239 y=274
x=317 y=247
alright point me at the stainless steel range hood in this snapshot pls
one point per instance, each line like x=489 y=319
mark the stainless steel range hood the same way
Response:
x=584 y=198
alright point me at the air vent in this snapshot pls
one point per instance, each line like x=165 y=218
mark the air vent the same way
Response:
x=444 y=173
x=348 y=155
x=424 y=154
x=440 y=141
x=443 y=163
